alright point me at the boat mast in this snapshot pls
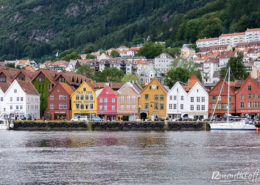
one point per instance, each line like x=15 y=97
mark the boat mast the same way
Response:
x=228 y=94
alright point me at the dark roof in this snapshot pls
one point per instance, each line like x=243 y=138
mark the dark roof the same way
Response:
x=28 y=87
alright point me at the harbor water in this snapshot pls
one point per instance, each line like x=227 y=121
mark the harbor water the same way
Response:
x=116 y=158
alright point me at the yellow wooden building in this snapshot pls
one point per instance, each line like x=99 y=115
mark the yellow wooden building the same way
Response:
x=84 y=101
x=152 y=102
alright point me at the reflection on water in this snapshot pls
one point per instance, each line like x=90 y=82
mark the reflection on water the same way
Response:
x=124 y=157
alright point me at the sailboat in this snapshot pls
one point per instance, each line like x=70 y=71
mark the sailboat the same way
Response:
x=237 y=125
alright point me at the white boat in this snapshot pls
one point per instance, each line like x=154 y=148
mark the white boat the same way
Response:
x=4 y=124
x=237 y=125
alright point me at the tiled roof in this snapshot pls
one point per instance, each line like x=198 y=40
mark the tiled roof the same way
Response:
x=10 y=72
x=208 y=39
x=48 y=73
x=4 y=86
x=232 y=34
x=22 y=61
x=253 y=29
x=67 y=88
x=28 y=87
x=30 y=68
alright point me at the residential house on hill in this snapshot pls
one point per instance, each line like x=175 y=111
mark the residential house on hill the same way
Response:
x=163 y=62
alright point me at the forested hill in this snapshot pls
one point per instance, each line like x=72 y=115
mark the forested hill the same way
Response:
x=39 y=28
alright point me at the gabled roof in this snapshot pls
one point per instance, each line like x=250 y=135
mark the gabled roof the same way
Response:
x=26 y=73
x=155 y=79
x=249 y=78
x=9 y=72
x=67 y=88
x=191 y=82
x=48 y=74
x=4 y=86
x=27 y=87
x=220 y=82
x=128 y=84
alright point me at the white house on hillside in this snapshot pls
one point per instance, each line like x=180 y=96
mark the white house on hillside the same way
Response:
x=189 y=99
x=3 y=88
x=22 y=98
x=162 y=63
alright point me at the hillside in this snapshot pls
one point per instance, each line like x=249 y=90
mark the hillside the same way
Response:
x=39 y=28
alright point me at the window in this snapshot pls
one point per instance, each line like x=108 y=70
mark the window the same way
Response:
x=128 y=107
x=51 y=97
x=254 y=96
x=214 y=98
x=84 y=89
x=242 y=105
x=198 y=107
x=259 y=104
x=15 y=90
x=181 y=106
x=161 y=106
x=219 y=106
x=191 y=107
x=122 y=107
x=229 y=98
x=221 y=88
x=2 y=99
x=156 y=106
x=11 y=98
x=174 y=97
x=60 y=106
x=128 y=98
x=86 y=97
x=155 y=97
x=65 y=106
x=249 y=104
x=91 y=106
x=17 y=98
x=105 y=107
x=77 y=97
x=122 y=98
x=60 y=97
x=146 y=96
x=51 y=106
x=249 y=96
x=113 y=100
x=21 y=98
x=113 y=107
x=258 y=96
x=101 y=100
x=202 y=107
x=171 y=97
x=81 y=106
x=91 y=97
x=213 y=106
x=225 y=106
x=86 y=106
x=255 y=105
x=146 y=106
x=133 y=98
x=77 y=106
x=100 y=107
x=17 y=107
x=191 y=99
x=21 y=107
x=198 y=99
x=202 y=99
x=161 y=97
x=242 y=96
x=105 y=100
x=133 y=107
x=82 y=97
x=249 y=88
x=174 y=106
x=170 y=106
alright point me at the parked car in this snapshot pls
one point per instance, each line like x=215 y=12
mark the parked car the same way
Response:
x=97 y=119
x=80 y=118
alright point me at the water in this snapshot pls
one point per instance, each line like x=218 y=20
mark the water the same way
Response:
x=127 y=157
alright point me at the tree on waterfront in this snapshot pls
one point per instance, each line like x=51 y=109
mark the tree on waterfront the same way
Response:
x=85 y=70
x=237 y=68
x=176 y=74
x=73 y=55
x=111 y=74
x=90 y=56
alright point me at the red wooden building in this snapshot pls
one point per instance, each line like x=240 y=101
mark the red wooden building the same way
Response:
x=221 y=102
x=248 y=98
x=59 y=107
x=107 y=103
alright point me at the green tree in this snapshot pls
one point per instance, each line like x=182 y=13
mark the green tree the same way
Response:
x=176 y=74
x=114 y=54
x=12 y=65
x=89 y=48
x=173 y=51
x=130 y=78
x=90 y=56
x=85 y=70
x=74 y=55
x=150 y=50
x=111 y=74
x=237 y=68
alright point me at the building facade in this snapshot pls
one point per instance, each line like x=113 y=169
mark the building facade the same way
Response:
x=59 y=107
x=152 y=102
x=248 y=98
x=107 y=103
x=218 y=99
x=127 y=100
x=84 y=101
x=162 y=63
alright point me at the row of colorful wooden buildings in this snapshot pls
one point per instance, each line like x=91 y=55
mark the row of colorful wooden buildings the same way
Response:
x=65 y=95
